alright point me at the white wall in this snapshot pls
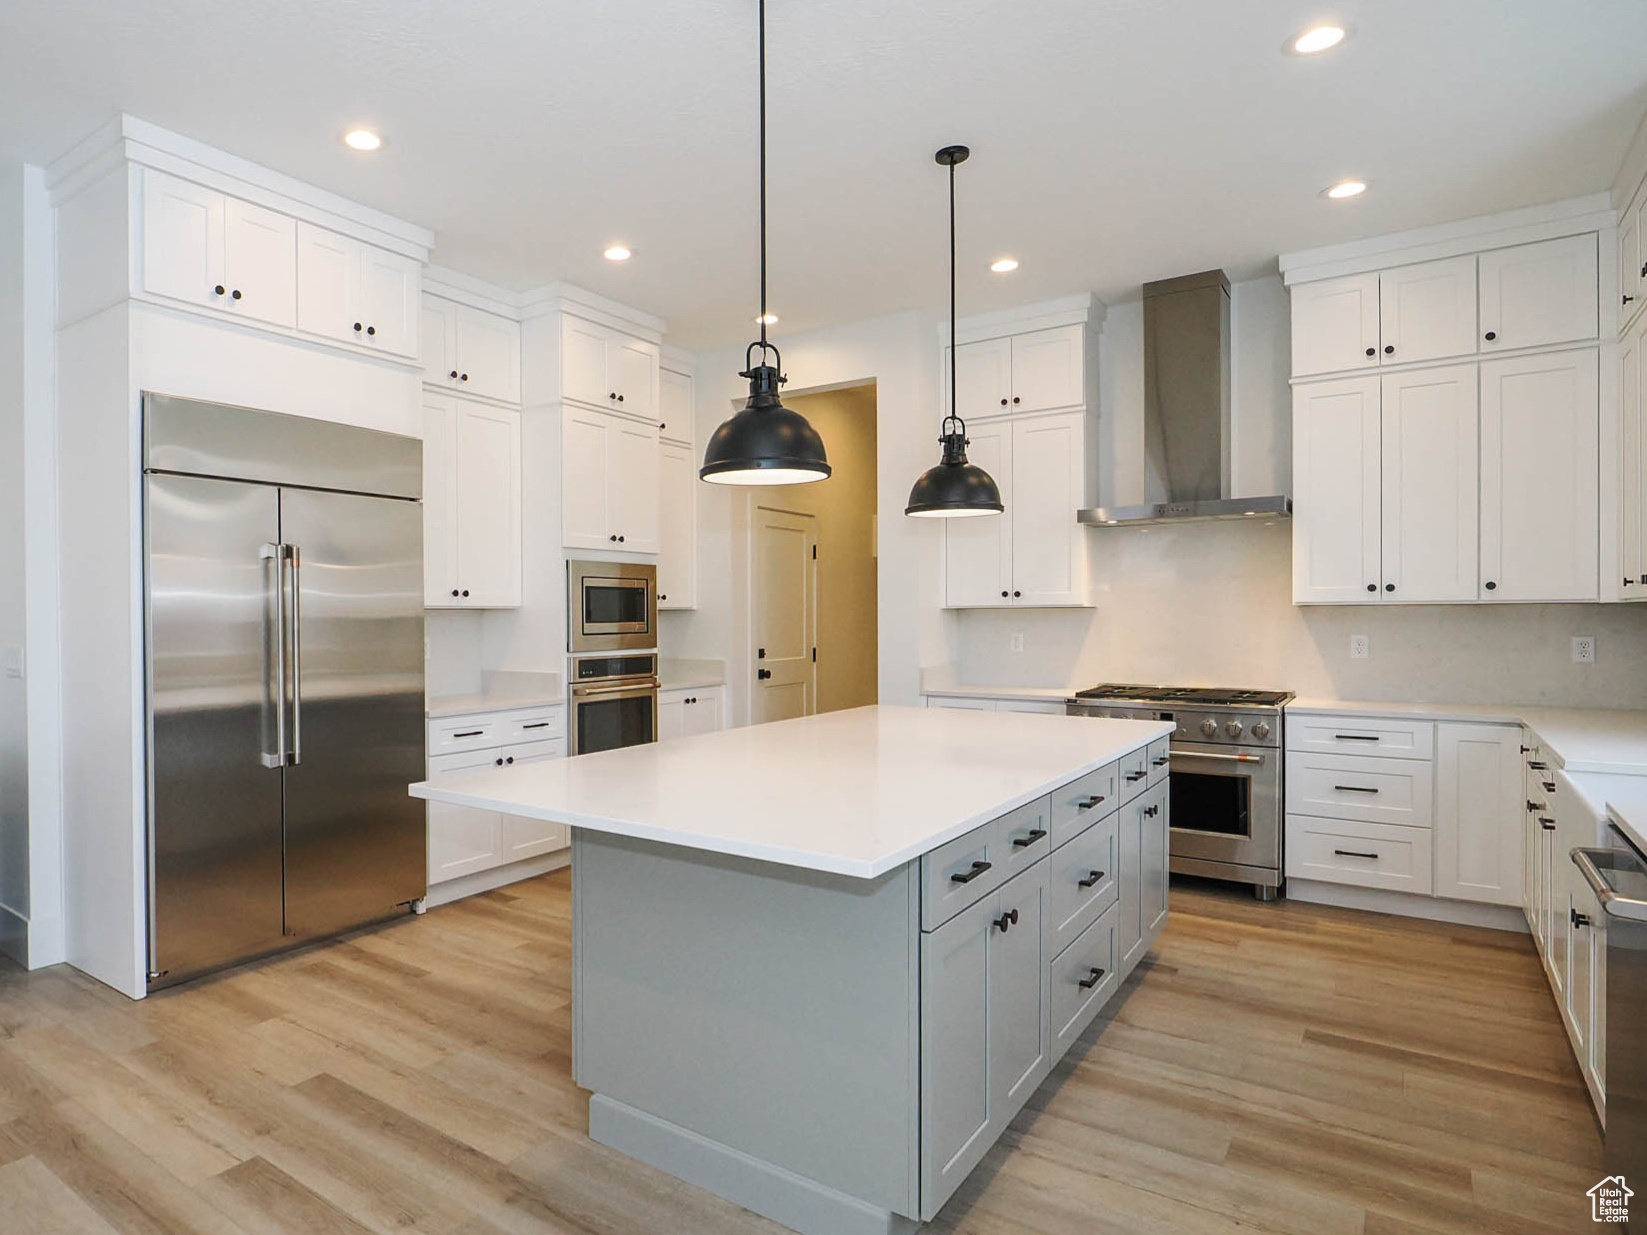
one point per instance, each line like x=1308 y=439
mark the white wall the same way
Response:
x=899 y=354
x=14 y=799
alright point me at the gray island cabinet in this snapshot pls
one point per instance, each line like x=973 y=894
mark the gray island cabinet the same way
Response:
x=818 y=965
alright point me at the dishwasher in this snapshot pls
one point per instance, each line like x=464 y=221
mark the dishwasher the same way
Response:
x=1618 y=874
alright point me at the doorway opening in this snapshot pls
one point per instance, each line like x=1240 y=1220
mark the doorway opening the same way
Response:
x=812 y=560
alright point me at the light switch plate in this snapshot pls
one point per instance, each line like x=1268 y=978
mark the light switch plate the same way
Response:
x=1017 y=641
x=14 y=662
x=1584 y=649
x=1360 y=647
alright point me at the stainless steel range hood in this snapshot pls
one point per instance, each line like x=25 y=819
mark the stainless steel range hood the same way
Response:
x=1187 y=410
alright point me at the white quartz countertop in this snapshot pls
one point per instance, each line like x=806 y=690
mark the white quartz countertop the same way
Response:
x=857 y=793
x=1059 y=693
x=1594 y=740
x=500 y=692
x=676 y=674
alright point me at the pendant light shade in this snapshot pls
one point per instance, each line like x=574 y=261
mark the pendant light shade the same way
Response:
x=954 y=488
x=765 y=443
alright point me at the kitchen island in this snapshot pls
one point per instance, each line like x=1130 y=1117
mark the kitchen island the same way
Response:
x=819 y=964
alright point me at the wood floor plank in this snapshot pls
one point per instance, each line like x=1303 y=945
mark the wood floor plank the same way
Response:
x=39 y=1203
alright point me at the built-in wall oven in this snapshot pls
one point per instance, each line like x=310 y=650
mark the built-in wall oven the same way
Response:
x=614 y=702
x=611 y=607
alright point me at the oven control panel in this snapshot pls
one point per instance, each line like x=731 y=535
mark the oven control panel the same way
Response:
x=1223 y=726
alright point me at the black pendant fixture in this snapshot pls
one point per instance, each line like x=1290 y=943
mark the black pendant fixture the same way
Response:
x=765 y=443
x=954 y=488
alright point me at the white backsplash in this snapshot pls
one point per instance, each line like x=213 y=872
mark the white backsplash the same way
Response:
x=453 y=663
x=1211 y=604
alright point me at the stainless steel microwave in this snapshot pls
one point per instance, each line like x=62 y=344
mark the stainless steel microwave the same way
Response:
x=611 y=606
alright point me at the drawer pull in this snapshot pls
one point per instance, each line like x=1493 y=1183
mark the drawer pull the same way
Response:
x=1133 y=776
x=1089 y=803
x=1354 y=853
x=538 y=724
x=1355 y=789
x=978 y=868
x=1534 y=807
x=471 y=733
x=1028 y=838
x=1094 y=976
x=1535 y=765
x=1548 y=823
x=1579 y=920
x=1356 y=737
x=1007 y=921
x=1161 y=762
x=1549 y=786
x=1091 y=880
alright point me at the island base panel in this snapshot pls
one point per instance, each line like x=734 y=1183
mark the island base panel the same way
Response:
x=801 y=1204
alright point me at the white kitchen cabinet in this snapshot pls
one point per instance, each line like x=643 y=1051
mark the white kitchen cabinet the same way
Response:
x=1632 y=466
x=1430 y=538
x=675 y=406
x=689 y=711
x=351 y=292
x=1335 y=325
x=1427 y=311
x=1036 y=371
x=1337 y=507
x=466 y=841
x=214 y=251
x=1539 y=477
x=1033 y=553
x=1535 y=295
x=602 y=367
x=1632 y=265
x=1478 y=814
x=471 y=504
x=471 y=351
x=983 y=378
x=610 y=481
x=677 y=526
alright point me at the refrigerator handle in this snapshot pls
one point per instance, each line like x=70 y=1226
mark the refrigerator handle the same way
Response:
x=295 y=556
x=275 y=690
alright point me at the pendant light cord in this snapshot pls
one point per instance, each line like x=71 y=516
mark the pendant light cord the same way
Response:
x=953 y=410
x=762 y=6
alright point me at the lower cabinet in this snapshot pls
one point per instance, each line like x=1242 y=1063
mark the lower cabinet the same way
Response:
x=683 y=713
x=1143 y=857
x=466 y=841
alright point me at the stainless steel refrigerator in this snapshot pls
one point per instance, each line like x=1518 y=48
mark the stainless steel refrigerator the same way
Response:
x=284 y=646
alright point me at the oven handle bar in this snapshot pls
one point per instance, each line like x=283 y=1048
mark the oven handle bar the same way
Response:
x=1180 y=755
x=1612 y=904
x=640 y=687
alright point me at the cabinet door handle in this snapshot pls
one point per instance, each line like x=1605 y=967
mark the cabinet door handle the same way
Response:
x=1534 y=807
x=466 y=593
x=1354 y=853
x=1007 y=920
x=1534 y=764
x=499 y=762
x=463 y=377
x=1091 y=880
x=1389 y=587
x=1028 y=838
x=1355 y=789
x=1136 y=776
x=1546 y=823
x=509 y=759
x=1629 y=299
x=1089 y=803
x=1579 y=920
x=1355 y=737
x=1094 y=976
x=1003 y=593
x=1549 y=786
x=1372 y=587
x=1151 y=811
x=978 y=868
x=763 y=674
x=1003 y=402
x=1016 y=595
x=1161 y=762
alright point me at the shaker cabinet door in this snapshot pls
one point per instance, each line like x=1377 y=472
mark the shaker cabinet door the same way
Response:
x=1337 y=506
x=488 y=352
x=1335 y=325
x=1479 y=836
x=1049 y=549
x=260 y=263
x=1427 y=311
x=978 y=551
x=1430 y=515
x=1533 y=295
x=182 y=240
x=1019 y=1026
x=440 y=535
x=487 y=489
x=390 y=300
x=983 y=379
x=633 y=475
x=586 y=521
x=677 y=526
x=328 y=284
x=956 y=1124
x=1049 y=369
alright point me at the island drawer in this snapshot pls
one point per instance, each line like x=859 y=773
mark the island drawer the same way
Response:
x=1082 y=879
x=1398 y=791
x=1082 y=801
x=1084 y=976
x=968 y=868
x=1134 y=773
x=1160 y=761
x=1385 y=736
x=1367 y=855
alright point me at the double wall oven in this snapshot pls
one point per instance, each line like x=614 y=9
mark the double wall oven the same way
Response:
x=1226 y=774
x=612 y=634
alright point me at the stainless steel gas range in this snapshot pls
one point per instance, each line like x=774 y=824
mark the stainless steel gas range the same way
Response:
x=1226 y=774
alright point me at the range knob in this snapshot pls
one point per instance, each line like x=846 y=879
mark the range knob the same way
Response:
x=1210 y=728
x=1233 y=728
x=1261 y=730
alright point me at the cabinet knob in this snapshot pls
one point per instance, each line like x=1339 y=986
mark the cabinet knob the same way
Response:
x=613 y=538
x=499 y=762
x=1491 y=586
x=1547 y=824
x=1003 y=593
x=620 y=540
x=454 y=591
x=218 y=290
x=1389 y=587
x=357 y=327
x=463 y=377
x=1007 y=921
x=1003 y=402
x=662 y=425
x=763 y=674
x=235 y=295
x=453 y=375
x=663 y=595
x=1579 y=920
x=1372 y=351
x=1016 y=399
x=1015 y=595
x=1490 y=335
x=1094 y=976
x=1389 y=349
x=465 y=593
x=620 y=398
x=1629 y=582
x=612 y=394
x=1644 y=270
x=1372 y=587
x=510 y=759
x=371 y=330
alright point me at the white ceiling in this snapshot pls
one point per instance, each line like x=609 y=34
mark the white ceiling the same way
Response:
x=1114 y=141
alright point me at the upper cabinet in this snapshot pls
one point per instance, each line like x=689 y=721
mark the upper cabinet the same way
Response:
x=1038 y=371
x=1632 y=260
x=1335 y=324
x=471 y=504
x=1427 y=311
x=609 y=481
x=675 y=406
x=603 y=367
x=470 y=351
x=355 y=293
x=214 y=251
x=677 y=493
x=1535 y=295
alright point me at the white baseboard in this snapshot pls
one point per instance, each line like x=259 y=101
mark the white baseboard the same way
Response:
x=497 y=877
x=1407 y=905
x=801 y=1204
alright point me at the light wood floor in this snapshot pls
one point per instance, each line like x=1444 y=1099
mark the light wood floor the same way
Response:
x=1275 y=1068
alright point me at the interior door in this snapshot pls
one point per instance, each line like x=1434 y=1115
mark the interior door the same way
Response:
x=355 y=841
x=786 y=614
x=978 y=551
x=1336 y=492
x=1431 y=469
x=214 y=777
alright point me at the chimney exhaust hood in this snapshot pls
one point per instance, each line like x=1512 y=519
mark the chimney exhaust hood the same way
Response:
x=1187 y=410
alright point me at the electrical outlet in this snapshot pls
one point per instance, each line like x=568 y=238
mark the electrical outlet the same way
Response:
x=1017 y=641
x=14 y=662
x=1584 y=649
x=1360 y=647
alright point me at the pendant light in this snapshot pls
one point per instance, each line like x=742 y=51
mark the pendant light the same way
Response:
x=954 y=488
x=765 y=443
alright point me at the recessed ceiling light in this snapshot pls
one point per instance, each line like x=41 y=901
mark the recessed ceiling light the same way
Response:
x=1345 y=189
x=617 y=253
x=1316 y=39
x=363 y=140
x=1004 y=265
